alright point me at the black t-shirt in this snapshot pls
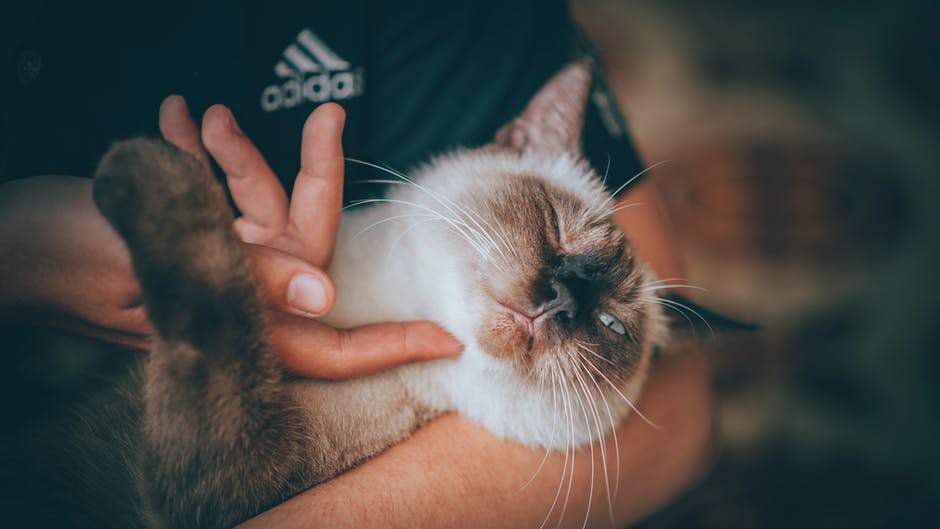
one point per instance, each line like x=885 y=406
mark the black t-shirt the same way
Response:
x=416 y=77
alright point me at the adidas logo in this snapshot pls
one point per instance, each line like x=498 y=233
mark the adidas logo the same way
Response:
x=314 y=73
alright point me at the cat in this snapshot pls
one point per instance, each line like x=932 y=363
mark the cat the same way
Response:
x=511 y=247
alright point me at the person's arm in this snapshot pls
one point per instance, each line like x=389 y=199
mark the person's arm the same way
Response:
x=454 y=474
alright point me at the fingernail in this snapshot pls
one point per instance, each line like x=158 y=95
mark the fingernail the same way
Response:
x=232 y=123
x=454 y=348
x=306 y=293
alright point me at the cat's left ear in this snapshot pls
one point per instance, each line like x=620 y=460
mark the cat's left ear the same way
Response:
x=554 y=118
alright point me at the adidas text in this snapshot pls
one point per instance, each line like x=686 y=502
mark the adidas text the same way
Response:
x=317 y=88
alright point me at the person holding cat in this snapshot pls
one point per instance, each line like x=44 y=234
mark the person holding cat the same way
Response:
x=435 y=471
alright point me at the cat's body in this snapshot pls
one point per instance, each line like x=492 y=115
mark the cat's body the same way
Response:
x=510 y=247
x=375 y=271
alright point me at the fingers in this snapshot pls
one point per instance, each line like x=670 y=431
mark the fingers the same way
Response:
x=142 y=342
x=312 y=349
x=317 y=201
x=255 y=189
x=178 y=128
x=290 y=283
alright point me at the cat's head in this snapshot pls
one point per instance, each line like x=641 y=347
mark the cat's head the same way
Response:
x=556 y=282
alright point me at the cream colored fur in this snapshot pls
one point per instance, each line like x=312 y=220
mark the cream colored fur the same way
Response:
x=410 y=268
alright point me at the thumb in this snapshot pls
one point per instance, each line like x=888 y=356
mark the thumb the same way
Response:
x=289 y=283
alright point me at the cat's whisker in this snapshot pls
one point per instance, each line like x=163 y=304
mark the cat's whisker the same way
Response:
x=512 y=248
x=444 y=201
x=670 y=287
x=499 y=233
x=551 y=437
x=455 y=223
x=389 y=219
x=619 y=207
x=422 y=207
x=603 y=187
x=379 y=181
x=564 y=401
x=682 y=313
x=582 y=342
x=613 y=429
x=470 y=235
x=441 y=200
x=595 y=414
x=582 y=346
x=624 y=397
x=483 y=236
x=496 y=232
x=573 y=449
x=569 y=468
x=473 y=215
x=669 y=283
x=483 y=239
x=401 y=237
x=667 y=280
x=587 y=423
x=678 y=307
x=483 y=232
x=631 y=180
x=388 y=170
x=581 y=373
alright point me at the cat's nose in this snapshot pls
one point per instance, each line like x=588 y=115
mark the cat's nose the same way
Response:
x=560 y=304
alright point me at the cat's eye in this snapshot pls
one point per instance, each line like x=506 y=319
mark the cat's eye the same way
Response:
x=612 y=323
x=553 y=219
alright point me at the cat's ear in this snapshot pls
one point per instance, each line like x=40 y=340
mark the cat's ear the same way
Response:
x=554 y=118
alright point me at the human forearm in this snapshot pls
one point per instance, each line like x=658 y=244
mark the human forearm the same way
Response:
x=454 y=474
x=63 y=265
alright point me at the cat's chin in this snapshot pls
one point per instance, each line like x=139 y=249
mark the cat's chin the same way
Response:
x=504 y=335
x=535 y=409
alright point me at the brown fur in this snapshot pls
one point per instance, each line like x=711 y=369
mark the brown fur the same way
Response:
x=555 y=243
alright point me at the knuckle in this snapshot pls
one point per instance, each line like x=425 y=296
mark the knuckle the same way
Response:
x=401 y=332
x=342 y=353
x=214 y=125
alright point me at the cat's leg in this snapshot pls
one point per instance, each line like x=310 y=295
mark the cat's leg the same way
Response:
x=222 y=435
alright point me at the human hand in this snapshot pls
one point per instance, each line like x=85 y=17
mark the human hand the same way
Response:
x=65 y=266
x=290 y=243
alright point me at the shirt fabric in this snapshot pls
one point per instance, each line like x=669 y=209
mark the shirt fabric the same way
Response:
x=415 y=77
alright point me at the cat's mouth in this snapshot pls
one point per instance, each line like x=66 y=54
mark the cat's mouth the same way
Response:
x=511 y=331
x=532 y=321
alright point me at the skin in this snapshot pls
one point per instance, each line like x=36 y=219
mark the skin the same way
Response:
x=452 y=473
x=67 y=268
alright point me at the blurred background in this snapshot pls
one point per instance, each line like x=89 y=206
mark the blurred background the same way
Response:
x=802 y=182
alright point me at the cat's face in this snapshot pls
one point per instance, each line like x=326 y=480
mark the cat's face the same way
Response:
x=568 y=287
x=556 y=282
